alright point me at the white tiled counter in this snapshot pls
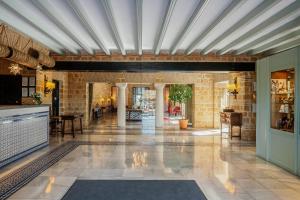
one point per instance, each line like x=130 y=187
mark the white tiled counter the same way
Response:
x=23 y=129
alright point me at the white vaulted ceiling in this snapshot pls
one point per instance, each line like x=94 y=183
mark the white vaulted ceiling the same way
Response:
x=155 y=26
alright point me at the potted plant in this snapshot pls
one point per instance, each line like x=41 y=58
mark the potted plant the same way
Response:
x=37 y=98
x=181 y=94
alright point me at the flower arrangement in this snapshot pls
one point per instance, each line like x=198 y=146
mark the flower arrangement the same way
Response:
x=37 y=98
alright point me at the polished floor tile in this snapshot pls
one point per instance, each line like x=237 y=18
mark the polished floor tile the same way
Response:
x=223 y=169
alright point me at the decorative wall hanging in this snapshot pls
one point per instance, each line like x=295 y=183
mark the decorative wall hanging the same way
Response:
x=23 y=50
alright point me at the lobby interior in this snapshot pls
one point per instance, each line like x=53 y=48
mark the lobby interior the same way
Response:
x=149 y=99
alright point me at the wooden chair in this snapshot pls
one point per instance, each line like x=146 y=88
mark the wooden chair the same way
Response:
x=177 y=110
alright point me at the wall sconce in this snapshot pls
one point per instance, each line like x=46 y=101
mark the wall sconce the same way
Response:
x=233 y=88
x=48 y=85
x=102 y=101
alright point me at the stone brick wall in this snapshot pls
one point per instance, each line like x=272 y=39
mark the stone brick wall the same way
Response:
x=205 y=103
x=202 y=103
x=207 y=93
x=219 y=98
x=243 y=103
x=62 y=77
x=157 y=58
x=77 y=92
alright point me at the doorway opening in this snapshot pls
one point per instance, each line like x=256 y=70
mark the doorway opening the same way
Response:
x=55 y=99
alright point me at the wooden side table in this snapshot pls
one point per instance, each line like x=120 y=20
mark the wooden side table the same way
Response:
x=232 y=119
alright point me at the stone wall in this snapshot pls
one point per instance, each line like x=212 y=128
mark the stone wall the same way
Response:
x=243 y=103
x=202 y=103
x=220 y=96
x=206 y=93
x=195 y=57
x=206 y=87
x=62 y=77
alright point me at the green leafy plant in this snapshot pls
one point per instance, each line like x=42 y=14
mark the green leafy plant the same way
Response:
x=180 y=94
x=37 y=98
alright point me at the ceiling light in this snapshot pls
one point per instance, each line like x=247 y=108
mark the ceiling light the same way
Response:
x=15 y=69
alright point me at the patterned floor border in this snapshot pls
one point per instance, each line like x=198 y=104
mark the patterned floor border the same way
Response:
x=15 y=180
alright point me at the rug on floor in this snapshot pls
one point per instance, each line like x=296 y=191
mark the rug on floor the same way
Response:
x=134 y=190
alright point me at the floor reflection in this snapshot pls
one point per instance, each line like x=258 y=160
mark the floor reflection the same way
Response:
x=222 y=168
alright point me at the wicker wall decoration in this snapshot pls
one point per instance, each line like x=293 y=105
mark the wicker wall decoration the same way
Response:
x=4 y=51
x=16 y=47
x=23 y=59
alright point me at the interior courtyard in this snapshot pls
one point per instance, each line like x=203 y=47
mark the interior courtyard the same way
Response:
x=149 y=99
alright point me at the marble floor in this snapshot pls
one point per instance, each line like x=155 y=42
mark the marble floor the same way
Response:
x=223 y=169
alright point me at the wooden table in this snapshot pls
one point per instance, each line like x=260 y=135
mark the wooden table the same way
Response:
x=232 y=119
x=72 y=118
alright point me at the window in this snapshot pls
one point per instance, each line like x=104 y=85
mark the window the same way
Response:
x=137 y=94
x=28 y=86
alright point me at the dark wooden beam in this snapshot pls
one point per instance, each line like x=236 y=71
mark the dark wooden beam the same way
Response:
x=153 y=66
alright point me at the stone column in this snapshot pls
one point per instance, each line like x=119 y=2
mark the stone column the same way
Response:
x=121 y=104
x=159 y=105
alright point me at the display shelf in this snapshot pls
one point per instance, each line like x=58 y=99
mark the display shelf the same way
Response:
x=282 y=100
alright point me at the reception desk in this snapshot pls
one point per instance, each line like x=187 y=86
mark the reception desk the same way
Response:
x=23 y=129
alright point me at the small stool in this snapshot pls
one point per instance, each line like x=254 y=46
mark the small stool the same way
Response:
x=71 y=118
